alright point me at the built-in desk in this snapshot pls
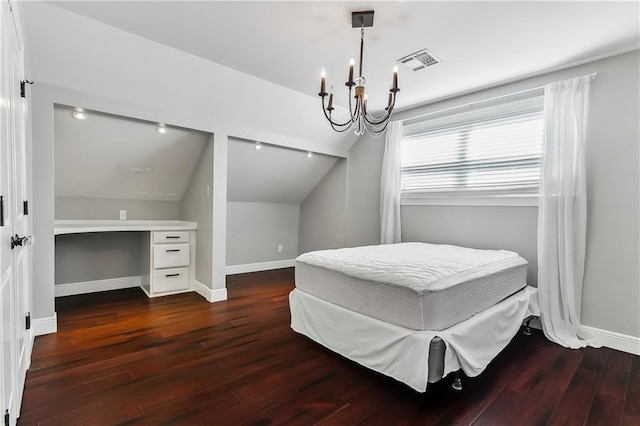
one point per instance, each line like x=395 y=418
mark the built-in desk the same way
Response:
x=169 y=252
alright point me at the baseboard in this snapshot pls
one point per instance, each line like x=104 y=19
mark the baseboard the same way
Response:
x=217 y=295
x=96 y=285
x=613 y=340
x=262 y=266
x=47 y=325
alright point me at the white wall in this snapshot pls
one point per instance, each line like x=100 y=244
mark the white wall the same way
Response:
x=99 y=256
x=197 y=206
x=109 y=209
x=254 y=231
x=323 y=212
x=363 y=192
x=611 y=295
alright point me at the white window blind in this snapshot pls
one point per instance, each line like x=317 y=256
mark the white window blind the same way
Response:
x=483 y=151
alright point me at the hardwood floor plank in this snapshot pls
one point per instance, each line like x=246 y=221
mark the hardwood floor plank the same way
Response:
x=631 y=412
x=579 y=394
x=502 y=411
x=122 y=358
x=548 y=392
x=608 y=402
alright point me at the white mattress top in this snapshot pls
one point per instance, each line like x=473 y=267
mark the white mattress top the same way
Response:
x=419 y=266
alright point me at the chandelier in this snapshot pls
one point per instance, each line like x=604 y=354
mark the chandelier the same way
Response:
x=360 y=119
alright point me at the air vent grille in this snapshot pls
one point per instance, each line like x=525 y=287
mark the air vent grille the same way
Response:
x=419 y=60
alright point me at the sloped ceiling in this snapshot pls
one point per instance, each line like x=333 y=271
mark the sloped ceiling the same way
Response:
x=479 y=42
x=272 y=174
x=107 y=156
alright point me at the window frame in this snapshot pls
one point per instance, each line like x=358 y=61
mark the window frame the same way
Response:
x=515 y=104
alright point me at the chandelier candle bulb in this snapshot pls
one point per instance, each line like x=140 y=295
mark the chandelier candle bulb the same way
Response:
x=352 y=62
x=395 y=77
x=330 y=107
x=323 y=77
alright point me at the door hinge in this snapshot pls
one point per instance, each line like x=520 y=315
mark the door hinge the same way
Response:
x=7 y=418
x=25 y=207
x=1 y=210
x=27 y=321
x=23 y=84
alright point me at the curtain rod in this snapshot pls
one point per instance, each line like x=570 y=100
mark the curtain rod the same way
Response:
x=469 y=104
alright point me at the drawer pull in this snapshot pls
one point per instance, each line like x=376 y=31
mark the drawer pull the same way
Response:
x=172 y=237
x=172 y=275
x=171 y=250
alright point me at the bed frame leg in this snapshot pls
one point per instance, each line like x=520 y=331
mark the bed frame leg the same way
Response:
x=527 y=329
x=457 y=381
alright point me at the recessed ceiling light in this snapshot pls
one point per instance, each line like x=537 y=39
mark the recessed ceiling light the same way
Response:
x=161 y=129
x=258 y=145
x=309 y=154
x=79 y=114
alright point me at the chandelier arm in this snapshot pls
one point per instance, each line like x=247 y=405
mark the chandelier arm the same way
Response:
x=373 y=120
x=377 y=121
x=333 y=123
x=373 y=130
x=333 y=126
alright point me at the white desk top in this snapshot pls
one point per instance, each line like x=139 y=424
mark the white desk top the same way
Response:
x=81 y=226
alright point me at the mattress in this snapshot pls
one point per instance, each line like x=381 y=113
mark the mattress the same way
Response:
x=418 y=286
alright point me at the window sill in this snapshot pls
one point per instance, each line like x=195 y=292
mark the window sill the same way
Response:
x=494 y=200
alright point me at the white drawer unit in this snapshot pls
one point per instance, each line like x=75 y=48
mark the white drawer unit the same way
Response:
x=170 y=255
x=171 y=258
x=160 y=237
x=172 y=279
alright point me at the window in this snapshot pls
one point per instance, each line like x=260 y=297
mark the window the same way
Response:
x=484 y=151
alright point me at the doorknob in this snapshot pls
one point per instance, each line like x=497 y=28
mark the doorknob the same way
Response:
x=21 y=241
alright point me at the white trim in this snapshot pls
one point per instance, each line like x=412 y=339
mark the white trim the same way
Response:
x=47 y=325
x=83 y=287
x=262 y=266
x=496 y=200
x=83 y=226
x=613 y=340
x=217 y=295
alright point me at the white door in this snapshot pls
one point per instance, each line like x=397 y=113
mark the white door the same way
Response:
x=7 y=280
x=14 y=277
x=17 y=112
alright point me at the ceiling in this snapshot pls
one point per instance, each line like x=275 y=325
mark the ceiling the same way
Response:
x=106 y=156
x=272 y=174
x=479 y=43
x=109 y=156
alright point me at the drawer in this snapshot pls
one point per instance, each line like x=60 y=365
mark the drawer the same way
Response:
x=170 y=280
x=170 y=255
x=170 y=237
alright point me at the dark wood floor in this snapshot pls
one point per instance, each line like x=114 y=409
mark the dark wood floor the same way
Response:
x=121 y=358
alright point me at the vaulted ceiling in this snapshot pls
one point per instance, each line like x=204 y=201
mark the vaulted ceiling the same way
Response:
x=106 y=156
x=479 y=43
x=272 y=174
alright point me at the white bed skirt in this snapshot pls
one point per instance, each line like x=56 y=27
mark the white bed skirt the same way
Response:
x=402 y=353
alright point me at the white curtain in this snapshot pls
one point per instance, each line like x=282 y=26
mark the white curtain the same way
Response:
x=562 y=213
x=390 y=186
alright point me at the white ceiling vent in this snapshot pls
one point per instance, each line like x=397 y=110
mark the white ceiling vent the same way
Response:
x=419 y=60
